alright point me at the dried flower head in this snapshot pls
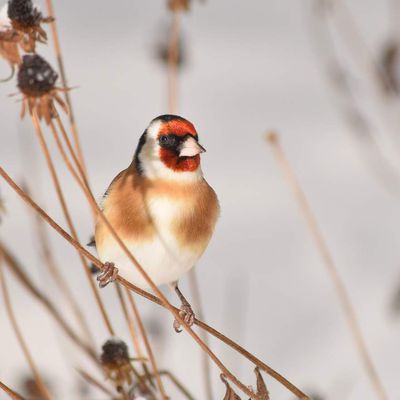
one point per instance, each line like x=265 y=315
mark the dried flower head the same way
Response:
x=36 y=81
x=178 y=5
x=116 y=361
x=26 y=20
x=8 y=39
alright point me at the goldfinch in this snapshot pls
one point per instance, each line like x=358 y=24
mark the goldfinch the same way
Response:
x=161 y=207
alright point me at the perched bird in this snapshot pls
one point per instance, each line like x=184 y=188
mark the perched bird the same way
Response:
x=161 y=207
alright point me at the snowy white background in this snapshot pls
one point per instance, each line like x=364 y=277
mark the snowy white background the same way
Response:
x=252 y=67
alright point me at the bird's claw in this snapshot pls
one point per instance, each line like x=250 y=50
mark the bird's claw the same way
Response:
x=187 y=314
x=109 y=274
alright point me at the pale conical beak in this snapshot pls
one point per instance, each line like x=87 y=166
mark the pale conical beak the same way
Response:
x=190 y=148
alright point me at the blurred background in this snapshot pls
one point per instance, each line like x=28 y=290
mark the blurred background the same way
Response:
x=311 y=71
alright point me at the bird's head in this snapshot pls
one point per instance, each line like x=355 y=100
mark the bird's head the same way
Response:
x=169 y=149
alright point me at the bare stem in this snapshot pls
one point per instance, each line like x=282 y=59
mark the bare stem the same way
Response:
x=132 y=330
x=163 y=302
x=147 y=344
x=13 y=395
x=35 y=372
x=68 y=218
x=173 y=56
x=95 y=382
x=23 y=278
x=322 y=247
x=60 y=61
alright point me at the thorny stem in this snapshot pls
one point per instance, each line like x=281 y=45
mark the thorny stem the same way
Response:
x=19 y=273
x=132 y=330
x=68 y=218
x=163 y=302
x=329 y=263
x=57 y=49
x=147 y=344
x=7 y=301
x=13 y=395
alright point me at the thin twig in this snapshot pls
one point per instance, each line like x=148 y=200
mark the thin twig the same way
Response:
x=132 y=331
x=327 y=258
x=95 y=382
x=173 y=57
x=60 y=61
x=13 y=395
x=25 y=349
x=147 y=344
x=161 y=302
x=23 y=278
x=68 y=218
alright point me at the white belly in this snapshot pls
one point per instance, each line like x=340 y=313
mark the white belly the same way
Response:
x=162 y=257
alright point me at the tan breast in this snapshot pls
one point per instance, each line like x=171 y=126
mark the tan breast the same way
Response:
x=127 y=207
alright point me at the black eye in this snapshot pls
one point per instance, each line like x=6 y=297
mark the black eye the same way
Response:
x=168 y=141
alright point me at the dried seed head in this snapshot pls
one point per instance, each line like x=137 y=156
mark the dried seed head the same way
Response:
x=23 y=12
x=35 y=76
x=178 y=5
x=115 y=354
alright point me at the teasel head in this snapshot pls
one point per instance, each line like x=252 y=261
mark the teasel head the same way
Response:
x=36 y=81
x=116 y=362
x=178 y=5
x=27 y=20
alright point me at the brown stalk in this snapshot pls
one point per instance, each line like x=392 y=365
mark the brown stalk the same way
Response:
x=177 y=383
x=13 y=395
x=23 y=278
x=322 y=247
x=68 y=218
x=51 y=265
x=95 y=382
x=173 y=69
x=132 y=331
x=161 y=301
x=35 y=372
x=147 y=344
x=173 y=57
x=60 y=61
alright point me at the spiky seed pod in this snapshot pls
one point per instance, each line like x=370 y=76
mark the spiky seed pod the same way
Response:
x=23 y=12
x=115 y=354
x=36 y=77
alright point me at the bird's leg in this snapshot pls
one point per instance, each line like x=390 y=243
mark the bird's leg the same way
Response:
x=185 y=312
x=108 y=274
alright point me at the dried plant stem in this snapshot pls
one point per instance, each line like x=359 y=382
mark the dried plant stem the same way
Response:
x=173 y=69
x=95 y=382
x=13 y=395
x=327 y=258
x=205 y=361
x=35 y=372
x=54 y=312
x=68 y=218
x=57 y=49
x=177 y=383
x=132 y=331
x=51 y=265
x=147 y=344
x=173 y=56
x=163 y=302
